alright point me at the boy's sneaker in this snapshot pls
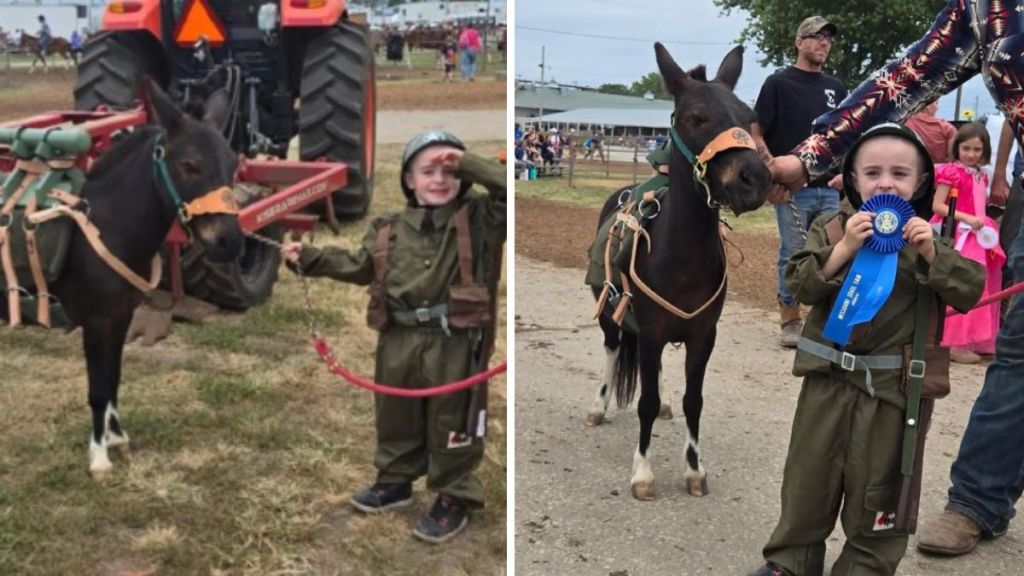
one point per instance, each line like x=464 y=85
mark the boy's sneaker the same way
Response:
x=382 y=496
x=769 y=569
x=447 y=517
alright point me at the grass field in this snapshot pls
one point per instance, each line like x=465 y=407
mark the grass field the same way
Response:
x=245 y=449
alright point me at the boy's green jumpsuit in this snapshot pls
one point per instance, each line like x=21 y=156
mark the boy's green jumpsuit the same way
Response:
x=417 y=436
x=844 y=451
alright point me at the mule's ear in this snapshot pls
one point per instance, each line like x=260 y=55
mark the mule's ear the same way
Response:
x=730 y=68
x=671 y=73
x=160 y=108
x=216 y=109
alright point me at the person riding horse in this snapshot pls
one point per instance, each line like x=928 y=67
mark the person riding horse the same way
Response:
x=45 y=37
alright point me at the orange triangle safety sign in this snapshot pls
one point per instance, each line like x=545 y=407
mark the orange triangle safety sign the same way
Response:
x=199 y=20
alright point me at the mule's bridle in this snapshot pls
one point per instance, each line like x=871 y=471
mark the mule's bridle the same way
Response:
x=727 y=139
x=218 y=201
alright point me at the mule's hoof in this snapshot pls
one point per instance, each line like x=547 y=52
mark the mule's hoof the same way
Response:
x=100 y=474
x=666 y=412
x=595 y=419
x=697 y=486
x=643 y=491
x=124 y=451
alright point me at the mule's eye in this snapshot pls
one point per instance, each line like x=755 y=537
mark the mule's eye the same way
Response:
x=698 y=119
x=190 y=167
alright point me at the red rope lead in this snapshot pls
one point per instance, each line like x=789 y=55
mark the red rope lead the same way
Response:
x=993 y=297
x=325 y=352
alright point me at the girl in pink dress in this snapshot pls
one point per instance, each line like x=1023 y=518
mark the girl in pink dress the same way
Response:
x=976 y=237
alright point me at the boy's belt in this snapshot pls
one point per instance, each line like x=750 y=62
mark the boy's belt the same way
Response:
x=851 y=362
x=421 y=317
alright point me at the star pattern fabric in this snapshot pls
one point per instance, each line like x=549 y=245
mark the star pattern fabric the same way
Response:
x=967 y=38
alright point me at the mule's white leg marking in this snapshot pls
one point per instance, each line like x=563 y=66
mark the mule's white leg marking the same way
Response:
x=691 y=473
x=662 y=395
x=600 y=405
x=113 y=439
x=642 y=472
x=99 y=462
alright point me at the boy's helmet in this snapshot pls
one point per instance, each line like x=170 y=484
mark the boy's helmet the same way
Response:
x=421 y=142
x=922 y=198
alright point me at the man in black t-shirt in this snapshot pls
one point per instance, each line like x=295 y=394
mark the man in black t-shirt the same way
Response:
x=789 y=102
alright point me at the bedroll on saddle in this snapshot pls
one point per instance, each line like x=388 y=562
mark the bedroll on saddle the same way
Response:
x=42 y=168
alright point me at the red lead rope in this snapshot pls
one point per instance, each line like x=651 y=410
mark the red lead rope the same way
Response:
x=993 y=297
x=325 y=352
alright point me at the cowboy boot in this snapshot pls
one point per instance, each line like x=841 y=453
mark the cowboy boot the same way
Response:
x=790 y=325
x=951 y=534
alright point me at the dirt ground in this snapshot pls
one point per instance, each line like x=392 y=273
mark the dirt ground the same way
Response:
x=31 y=93
x=574 y=511
x=541 y=234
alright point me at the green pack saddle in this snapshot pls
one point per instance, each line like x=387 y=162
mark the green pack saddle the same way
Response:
x=45 y=162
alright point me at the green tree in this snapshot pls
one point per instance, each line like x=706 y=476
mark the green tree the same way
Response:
x=614 y=89
x=871 y=32
x=650 y=83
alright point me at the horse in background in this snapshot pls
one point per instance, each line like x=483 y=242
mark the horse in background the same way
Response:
x=686 y=263
x=134 y=210
x=429 y=37
x=58 y=45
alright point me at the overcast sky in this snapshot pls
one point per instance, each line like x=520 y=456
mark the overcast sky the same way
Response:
x=594 y=42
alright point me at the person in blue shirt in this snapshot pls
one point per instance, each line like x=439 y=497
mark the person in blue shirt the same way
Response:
x=44 y=36
x=76 y=46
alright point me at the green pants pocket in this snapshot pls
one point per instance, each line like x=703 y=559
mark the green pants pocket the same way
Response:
x=880 y=510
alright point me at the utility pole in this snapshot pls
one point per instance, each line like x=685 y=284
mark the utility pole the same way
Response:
x=486 y=43
x=541 y=91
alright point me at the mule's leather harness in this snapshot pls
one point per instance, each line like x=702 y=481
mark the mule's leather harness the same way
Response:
x=735 y=137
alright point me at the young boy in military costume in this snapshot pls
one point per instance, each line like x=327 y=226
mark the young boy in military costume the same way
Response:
x=432 y=269
x=845 y=447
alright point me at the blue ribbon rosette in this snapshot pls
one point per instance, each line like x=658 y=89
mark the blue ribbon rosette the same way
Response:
x=870 y=279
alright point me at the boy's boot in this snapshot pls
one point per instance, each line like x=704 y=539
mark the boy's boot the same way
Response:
x=791 y=325
x=769 y=569
x=383 y=496
x=951 y=534
x=447 y=517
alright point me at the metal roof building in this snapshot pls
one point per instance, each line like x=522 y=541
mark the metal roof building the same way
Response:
x=584 y=109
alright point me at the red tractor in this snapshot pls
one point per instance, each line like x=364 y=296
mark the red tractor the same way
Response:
x=281 y=68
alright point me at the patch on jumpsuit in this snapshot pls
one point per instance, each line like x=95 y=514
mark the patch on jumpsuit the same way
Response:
x=884 y=521
x=459 y=440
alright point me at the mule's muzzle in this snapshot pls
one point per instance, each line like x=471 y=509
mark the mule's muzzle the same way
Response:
x=220 y=235
x=746 y=182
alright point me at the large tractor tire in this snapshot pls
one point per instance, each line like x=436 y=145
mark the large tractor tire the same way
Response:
x=111 y=71
x=238 y=285
x=338 y=111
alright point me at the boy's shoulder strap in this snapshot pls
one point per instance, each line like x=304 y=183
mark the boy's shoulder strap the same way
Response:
x=464 y=244
x=380 y=251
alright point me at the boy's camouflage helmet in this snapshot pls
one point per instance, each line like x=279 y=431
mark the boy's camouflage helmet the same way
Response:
x=421 y=142
x=922 y=197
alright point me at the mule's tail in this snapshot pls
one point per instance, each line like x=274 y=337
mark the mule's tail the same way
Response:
x=626 y=369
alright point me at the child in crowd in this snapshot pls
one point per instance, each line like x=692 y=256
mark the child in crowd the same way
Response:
x=432 y=274
x=844 y=451
x=976 y=237
x=448 y=51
